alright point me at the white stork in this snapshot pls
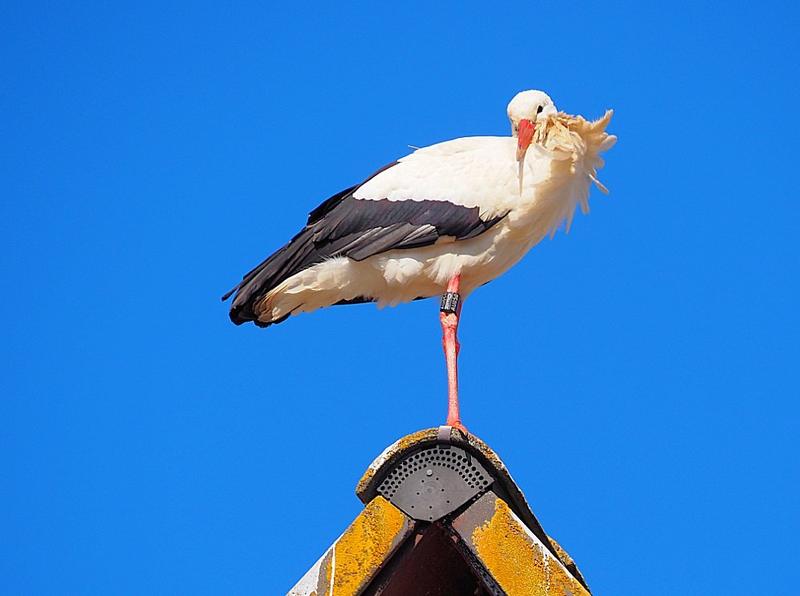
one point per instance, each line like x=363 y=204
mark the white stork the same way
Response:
x=443 y=220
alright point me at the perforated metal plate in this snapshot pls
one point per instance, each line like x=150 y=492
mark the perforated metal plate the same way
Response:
x=430 y=483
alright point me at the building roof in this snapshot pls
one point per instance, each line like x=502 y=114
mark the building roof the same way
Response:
x=442 y=516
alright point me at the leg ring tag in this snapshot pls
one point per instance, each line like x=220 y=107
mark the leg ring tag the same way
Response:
x=449 y=302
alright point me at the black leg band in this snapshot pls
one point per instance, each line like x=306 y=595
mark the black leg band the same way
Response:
x=449 y=302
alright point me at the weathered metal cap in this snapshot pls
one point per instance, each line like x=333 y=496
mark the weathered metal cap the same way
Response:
x=442 y=513
x=398 y=459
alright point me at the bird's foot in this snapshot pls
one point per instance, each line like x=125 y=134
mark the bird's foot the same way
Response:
x=460 y=427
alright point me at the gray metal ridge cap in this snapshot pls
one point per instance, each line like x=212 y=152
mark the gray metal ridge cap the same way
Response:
x=505 y=487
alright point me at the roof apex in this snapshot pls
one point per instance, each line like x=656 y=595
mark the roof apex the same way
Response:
x=442 y=509
x=504 y=486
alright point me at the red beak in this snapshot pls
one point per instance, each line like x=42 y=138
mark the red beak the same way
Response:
x=524 y=137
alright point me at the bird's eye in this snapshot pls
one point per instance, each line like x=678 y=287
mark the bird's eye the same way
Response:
x=539 y=109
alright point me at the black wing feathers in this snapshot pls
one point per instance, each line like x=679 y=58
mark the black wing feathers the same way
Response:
x=372 y=227
x=327 y=205
x=344 y=226
x=320 y=211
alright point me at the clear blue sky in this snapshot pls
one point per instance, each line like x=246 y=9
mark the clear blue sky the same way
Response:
x=644 y=393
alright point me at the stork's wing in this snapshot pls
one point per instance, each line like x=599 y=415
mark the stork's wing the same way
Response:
x=358 y=223
x=360 y=228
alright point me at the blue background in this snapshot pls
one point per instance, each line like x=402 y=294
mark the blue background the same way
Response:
x=639 y=376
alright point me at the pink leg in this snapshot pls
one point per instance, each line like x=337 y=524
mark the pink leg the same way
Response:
x=451 y=346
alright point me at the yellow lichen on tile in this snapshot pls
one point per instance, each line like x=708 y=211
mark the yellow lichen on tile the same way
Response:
x=365 y=545
x=519 y=563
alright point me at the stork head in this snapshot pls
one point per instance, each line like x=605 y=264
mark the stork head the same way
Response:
x=524 y=111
